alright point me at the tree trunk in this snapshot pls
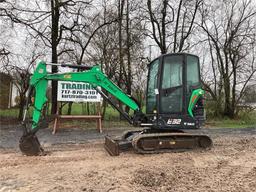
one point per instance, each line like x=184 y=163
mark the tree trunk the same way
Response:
x=121 y=61
x=227 y=103
x=104 y=109
x=88 y=108
x=54 y=37
x=128 y=42
x=176 y=27
x=70 y=108
x=21 y=107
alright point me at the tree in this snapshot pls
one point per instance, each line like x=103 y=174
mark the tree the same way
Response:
x=250 y=94
x=171 y=26
x=230 y=31
x=79 y=37
x=21 y=75
x=57 y=25
x=35 y=16
x=159 y=20
x=4 y=44
x=120 y=63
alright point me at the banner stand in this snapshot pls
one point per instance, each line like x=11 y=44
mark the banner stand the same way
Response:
x=96 y=117
x=78 y=92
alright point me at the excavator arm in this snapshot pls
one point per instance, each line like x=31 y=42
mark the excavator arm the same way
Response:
x=93 y=75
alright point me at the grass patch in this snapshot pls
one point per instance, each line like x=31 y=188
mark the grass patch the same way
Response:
x=91 y=124
x=13 y=112
x=112 y=118
x=242 y=121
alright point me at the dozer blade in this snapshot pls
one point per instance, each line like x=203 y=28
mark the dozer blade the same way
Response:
x=30 y=146
x=115 y=146
x=111 y=146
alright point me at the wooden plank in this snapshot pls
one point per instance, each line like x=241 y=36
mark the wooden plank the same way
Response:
x=79 y=116
x=97 y=117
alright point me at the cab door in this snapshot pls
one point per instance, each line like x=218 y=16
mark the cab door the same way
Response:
x=152 y=87
x=171 y=86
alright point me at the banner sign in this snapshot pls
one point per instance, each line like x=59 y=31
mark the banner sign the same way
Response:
x=77 y=92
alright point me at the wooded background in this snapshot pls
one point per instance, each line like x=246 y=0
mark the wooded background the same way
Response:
x=124 y=35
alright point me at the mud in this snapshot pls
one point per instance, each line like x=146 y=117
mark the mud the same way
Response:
x=77 y=161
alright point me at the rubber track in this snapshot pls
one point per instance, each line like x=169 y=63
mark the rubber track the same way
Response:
x=137 y=138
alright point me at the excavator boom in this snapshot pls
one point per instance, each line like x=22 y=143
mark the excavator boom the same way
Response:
x=29 y=143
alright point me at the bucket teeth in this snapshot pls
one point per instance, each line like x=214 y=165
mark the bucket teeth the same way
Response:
x=30 y=146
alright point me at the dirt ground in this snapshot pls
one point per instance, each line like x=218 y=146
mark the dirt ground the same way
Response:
x=72 y=165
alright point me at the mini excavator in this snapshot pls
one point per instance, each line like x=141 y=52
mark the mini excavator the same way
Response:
x=174 y=103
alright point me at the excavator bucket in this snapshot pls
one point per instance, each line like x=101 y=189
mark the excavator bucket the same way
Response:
x=30 y=146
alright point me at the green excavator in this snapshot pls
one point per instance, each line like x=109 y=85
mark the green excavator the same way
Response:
x=174 y=103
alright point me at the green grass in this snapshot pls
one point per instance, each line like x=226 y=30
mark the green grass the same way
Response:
x=77 y=109
x=112 y=117
x=13 y=112
x=91 y=124
x=244 y=120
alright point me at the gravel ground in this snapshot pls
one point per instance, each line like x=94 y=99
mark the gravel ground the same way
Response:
x=77 y=161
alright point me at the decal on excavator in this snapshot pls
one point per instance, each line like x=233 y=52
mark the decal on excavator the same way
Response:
x=174 y=121
x=41 y=71
x=189 y=124
x=67 y=76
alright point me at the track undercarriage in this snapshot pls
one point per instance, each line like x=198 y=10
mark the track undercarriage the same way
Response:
x=150 y=141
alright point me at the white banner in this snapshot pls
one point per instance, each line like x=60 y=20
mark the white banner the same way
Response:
x=77 y=92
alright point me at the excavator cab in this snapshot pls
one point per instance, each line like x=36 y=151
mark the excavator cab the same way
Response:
x=174 y=103
x=172 y=79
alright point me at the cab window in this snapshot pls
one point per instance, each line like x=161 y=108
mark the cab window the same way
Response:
x=152 y=85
